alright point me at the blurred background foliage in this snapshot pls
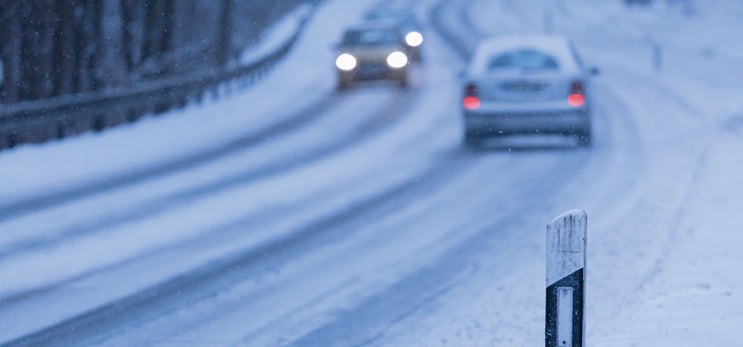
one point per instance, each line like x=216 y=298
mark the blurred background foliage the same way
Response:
x=58 y=47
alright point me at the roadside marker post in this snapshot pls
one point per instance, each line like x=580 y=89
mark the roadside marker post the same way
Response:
x=566 y=278
x=548 y=22
x=657 y=53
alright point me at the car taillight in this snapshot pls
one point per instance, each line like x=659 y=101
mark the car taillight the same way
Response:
x=470 y=101
x=577 y=96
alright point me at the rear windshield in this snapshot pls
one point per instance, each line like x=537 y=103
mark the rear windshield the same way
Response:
x=523 y=60
x=371 y=37
x=399 y=17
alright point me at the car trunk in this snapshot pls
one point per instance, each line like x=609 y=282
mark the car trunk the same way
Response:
x=523 y=86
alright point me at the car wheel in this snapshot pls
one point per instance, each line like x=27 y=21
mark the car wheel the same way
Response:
x=403 y=83
x=342 y=85
x=419 y=57
x=414 y=57
x=584 y=138
x=472 y=138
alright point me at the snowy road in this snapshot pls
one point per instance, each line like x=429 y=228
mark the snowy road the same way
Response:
x=303 y=217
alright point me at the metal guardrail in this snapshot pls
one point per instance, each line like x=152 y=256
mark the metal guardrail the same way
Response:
x=42 y=120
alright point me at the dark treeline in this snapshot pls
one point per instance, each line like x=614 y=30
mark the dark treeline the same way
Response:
x=57 y=47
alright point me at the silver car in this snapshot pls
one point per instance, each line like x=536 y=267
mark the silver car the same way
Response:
x=372 y=53
x=526 y=85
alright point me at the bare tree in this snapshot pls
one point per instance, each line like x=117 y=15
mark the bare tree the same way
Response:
x=224 y=38
x=57 y=47
x=66 y=38
x=10 y=26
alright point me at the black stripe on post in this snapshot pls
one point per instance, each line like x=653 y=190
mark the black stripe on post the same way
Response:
x=572 y=284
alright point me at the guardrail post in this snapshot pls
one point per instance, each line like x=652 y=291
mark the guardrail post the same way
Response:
x=548 y=22
x=566 y=278
x=657 y=53
x=657 y=57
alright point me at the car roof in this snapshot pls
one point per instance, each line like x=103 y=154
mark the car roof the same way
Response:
x=390 y=13
x=557 y=46
x=400 y=18
x=371 y=27
x=374 y=26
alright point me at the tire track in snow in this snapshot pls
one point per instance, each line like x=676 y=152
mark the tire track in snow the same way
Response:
x=345 y=322
x=206 y=281
x=463 y=45
x=298 y=120
x=387 y=116
x=405 y=298
x=433 y=177
x=437 y=288
x=196 y=284
x=654 y=90
x=680 y=206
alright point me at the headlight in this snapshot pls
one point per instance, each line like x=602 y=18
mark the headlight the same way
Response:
x=345 y=62
x=397 y=60
x=414 y=39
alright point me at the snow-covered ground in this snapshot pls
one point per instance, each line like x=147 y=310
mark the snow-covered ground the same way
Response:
x=664 y=262
x=289 y=214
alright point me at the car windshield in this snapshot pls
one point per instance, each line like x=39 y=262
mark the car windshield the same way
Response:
x=525 y=59
x=370 y=37
x=400 y=17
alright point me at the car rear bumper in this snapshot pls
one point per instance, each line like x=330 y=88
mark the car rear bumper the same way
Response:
x=570 y=121
x=414 y=53
x=372 y=72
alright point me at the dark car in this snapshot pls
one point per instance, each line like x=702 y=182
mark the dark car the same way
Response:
x=372 y=53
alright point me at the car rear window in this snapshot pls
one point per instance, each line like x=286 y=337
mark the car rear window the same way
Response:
x=370 y=37
x=525 y=59
x=399 y=17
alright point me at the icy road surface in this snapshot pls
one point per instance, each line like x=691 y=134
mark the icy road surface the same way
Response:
x=291 y=215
